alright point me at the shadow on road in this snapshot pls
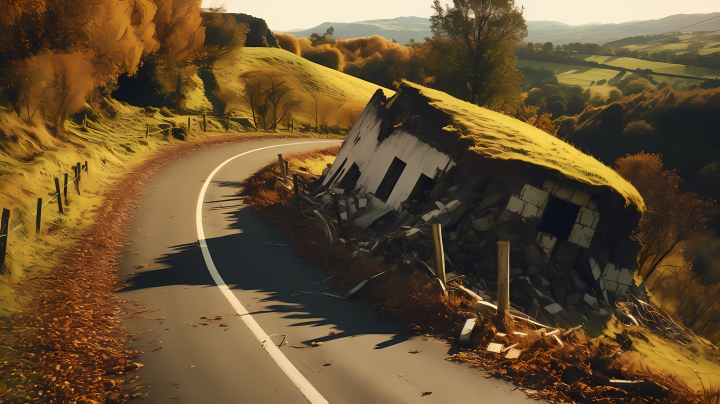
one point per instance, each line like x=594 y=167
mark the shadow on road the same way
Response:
x=256 y=258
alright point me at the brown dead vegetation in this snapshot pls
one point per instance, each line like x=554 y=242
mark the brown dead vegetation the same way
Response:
x=68 y=346
x=579 y=370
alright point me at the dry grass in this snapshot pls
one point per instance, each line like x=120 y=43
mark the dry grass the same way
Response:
x=577 y=372
x=67 y=346
x=501 y=137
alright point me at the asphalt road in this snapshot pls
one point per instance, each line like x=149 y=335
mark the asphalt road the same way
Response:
x=365 y=361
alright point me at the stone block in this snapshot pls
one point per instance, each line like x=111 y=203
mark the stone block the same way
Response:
x=621 y=290
x=515 y=205
x=362 y=202
x=554 y=308
x=592 y=204
x=413 y=234
x=565 y=193
x=549 y=185
x=611 y=286
x=431 y=215
x=625 y=277
x=591 y=301
x=531 y=212
x=580 y=198
x=547 y=242
x=611 y=272
x=588 y=217
x=581 y=235
x=534 y=196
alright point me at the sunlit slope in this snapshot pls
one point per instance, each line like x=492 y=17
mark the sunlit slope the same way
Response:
x=339 y=96
x=656 y=67
x=501 y=137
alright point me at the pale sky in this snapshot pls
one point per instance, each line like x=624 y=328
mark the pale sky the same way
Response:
x=284 y=15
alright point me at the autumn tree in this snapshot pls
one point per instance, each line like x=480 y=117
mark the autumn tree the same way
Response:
x=472 y=52
x=672 y=217
x=270 y=98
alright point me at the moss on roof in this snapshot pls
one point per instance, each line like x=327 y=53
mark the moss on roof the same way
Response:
x=499 y=136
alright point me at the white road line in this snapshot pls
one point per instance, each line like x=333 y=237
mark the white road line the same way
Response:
x=305 y=387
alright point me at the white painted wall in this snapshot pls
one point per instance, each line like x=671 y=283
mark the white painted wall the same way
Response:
x=361 y=147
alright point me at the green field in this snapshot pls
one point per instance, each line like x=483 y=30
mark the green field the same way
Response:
x=570 y=74
x=656 y=67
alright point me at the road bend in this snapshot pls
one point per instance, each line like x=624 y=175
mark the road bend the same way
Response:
x=226 y=311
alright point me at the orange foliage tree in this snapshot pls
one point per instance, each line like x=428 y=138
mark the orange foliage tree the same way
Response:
x=672 y=217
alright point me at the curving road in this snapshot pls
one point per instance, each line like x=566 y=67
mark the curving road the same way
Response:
x=209 y=256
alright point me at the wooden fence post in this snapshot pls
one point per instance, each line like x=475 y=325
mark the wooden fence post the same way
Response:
x=282 y=167
x=341 y=228
x=503 y=278
x=59 y=195
x=38 y=220
x=4 y=230
x=439 y=253
x=65 y=189
x=77 y=171
x=297 y=192
x=86 y=167
x=188 y=132
x=147 y=130
x=204 y=122
x=292 y=125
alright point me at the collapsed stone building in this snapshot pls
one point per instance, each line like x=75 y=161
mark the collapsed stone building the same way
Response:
x=422 y=157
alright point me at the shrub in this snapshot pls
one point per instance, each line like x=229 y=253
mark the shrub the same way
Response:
x=288 y=43
x=601 y=82
x=638 y=128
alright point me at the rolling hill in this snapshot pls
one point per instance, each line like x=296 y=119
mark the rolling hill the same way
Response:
x=403 y=28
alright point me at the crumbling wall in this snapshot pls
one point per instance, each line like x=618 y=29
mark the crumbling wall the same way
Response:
x=373 y=157
x=572 y=254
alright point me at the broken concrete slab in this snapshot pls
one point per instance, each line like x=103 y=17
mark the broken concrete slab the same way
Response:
x=494 y=347
x=591 y=301
x=513 y=353
x=375 y=210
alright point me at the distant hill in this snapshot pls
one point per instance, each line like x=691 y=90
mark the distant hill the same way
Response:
x=559 y=33
x=403 y=28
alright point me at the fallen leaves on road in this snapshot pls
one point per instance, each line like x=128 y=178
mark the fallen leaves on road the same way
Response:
x=138 y=266
x=157 y=349
x=315 y=343
x=414 y=351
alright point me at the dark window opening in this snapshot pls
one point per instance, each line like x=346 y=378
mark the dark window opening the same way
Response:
x=391 y=178
x=349 y=181
x=423 y=184
x=337 y=172
x=559 y=218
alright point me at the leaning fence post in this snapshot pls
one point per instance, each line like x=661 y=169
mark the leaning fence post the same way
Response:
x=336 y=202
x=503 y=267
x=282 y=167
x=65 y=189
x=38 y=220
x=297 y=193
x=77 y=173
x=59 y=195
x=439 y=253
x=4 y=230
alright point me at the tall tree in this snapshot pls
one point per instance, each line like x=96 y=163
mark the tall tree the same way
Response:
x=472 y=48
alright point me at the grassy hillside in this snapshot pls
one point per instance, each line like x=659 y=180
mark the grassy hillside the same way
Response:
x=340 y=97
